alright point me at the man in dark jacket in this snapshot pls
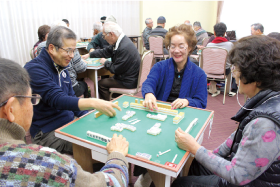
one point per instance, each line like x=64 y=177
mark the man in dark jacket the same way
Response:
x=125 y=62
x=50 y=79
x=160 y=31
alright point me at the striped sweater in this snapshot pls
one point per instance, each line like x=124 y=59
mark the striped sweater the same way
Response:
x=34 y=165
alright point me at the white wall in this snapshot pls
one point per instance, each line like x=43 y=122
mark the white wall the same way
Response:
x=240 y=15
x=176 y=12
x=20 y=19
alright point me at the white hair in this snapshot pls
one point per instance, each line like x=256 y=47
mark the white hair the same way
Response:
x=147 y=21
x=112 y=27
x=58 y=23
x=97 y=26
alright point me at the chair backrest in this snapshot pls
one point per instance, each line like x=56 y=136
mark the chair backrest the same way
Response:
x=205 y=41
x=31 y=54
x=143 y=42
x=156 y=44
x=214 y=61
x=145 y=67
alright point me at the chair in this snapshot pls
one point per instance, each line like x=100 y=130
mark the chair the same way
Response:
x=213 y=62
x=144 y=70
x=205 y=41
x=31 y=54
x=156 y=45
x=143 y=42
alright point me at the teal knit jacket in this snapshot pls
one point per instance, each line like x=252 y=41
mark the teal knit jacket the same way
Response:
x=193 y=87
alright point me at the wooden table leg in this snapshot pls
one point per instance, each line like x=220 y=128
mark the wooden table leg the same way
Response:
x=158 y=178
x=83 y=157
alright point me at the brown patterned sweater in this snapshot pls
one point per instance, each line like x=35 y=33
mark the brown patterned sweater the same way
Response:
x=34 y=165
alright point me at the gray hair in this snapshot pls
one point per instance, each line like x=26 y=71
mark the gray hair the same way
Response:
x=97 y=26
x=147 y=20
x=112 y=27
x=197 y=23
x=258 y=26
x=57 y=34
x=14 y=80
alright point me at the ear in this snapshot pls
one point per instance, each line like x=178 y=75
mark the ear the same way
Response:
x=52 y=48
x=214 y=33
x=9 y=109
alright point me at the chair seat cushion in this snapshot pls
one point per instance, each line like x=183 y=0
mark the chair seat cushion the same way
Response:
x=123 y=90
x=215 y=76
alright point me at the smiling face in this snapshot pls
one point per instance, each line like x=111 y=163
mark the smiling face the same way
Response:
x=60 y=56
x=179 y=49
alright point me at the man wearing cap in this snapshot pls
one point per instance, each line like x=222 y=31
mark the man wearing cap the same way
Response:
x=147 y=31
x=125 y=62
x=99 y=42
x=160 y=31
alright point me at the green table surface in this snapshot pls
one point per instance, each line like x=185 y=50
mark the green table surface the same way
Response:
x=95 y=61
x=139 y=140
x=82 y=44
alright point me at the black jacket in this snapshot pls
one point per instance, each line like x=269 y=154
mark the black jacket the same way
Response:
x=125 y=62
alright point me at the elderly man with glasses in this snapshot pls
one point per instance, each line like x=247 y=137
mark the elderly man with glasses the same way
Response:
x=35 y=165
x=76 y=65
x=125 y=62
x=59 y=105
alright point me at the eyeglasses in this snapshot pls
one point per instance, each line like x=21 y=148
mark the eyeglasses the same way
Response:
x=35 y=99
x=181 y=47
x=103 y=36
x=69 y=51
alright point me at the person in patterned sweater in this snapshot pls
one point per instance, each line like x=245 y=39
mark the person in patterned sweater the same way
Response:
x=35 y=165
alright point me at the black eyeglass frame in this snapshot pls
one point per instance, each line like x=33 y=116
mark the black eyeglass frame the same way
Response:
x=34 y=96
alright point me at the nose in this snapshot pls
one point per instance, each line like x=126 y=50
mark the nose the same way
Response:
x=71 y=54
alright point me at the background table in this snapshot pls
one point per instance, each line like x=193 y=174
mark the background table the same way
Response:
x=95 y=65
x=134 y=38
x=139 y=141
x=82 y=45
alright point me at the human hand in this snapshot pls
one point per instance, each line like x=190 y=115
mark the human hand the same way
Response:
x=150 y=101
x=179 y=103
x=185 y=141
x=84 y=57
x=119 y=144
x=102 y=60
x=105 y=107
x=91 y=50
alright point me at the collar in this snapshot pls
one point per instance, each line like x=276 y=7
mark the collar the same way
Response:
x=119 y=40
x=11 y=132
x=219 y=40
x=253 y=103
x=176 y=70
x=56 y=66
x=159 y=26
